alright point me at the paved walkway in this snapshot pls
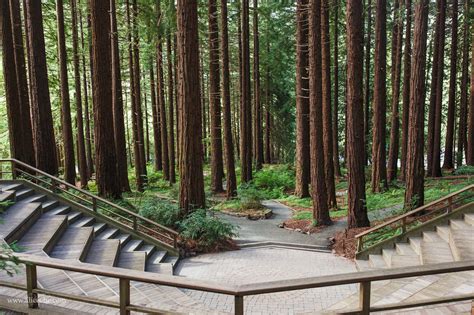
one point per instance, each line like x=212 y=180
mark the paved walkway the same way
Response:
x=253 y=265
x=268 y=231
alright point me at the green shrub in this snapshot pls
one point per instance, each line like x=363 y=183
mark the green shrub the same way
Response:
x=464 y=170
x=250 y=197
x=206 y=230
x=162 y=212
x=275 y=180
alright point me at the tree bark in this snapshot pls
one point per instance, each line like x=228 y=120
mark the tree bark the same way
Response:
x=245 y=104
x=470 y=125
x=117 y=105
x=318 y=183
x=462 y=129
x=171 y=143
x=81 y=147
x=191 y=192
x=406 y=87
x=379 y=173
x=357 y=209
x=449 y=145
x=258 y=138
x=231 y=181
x=326 y=103
x=42 y=120
x=397 y=38
x=367 y=96
x=335 y=113
x=157 y=154
x=217 y=163
x=302 y=102
x=106 y=160
x=414 y=193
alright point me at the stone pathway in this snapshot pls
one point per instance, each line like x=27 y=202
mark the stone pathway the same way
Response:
x=268 y=231
x=253 y=265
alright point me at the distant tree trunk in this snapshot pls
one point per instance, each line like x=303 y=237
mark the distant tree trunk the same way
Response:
x=318 y=183
x=147 y=129
x=470 y=125
x=434 y=119
x=397 y=38
x=117 y=105
x=268 y=100
x=326 y=98
x=246 y=109
x=171 y=144
x=191 y=188
x=302 y=102
x=42 y=120
x=449 y=146
x=217 y=163
x=357 y=209
x=88 y=141
x=106 y=160
x=16 y=86
x=138 y=113
x=158 y=165
x=231 y=181
x=414 y=194
x=256 y=94
x=335 y=113
x=81 y=147
x=379 y=173
x=462 y=129
x=367 y=96
x=66 y=125
x=268 y=133
x=406 y=87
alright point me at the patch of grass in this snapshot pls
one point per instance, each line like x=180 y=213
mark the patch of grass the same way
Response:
x=387 y=199
x=294 y=201
x=464 y=170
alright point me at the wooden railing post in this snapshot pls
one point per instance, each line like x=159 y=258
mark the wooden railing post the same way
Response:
x=124 y=296
x=450 y=204
x=364 y=298
x=31 y=285
x=13 y=166
x=238 y=305
x=404 y=225
x=94 y=204
x=135 y=225
x=360 y=243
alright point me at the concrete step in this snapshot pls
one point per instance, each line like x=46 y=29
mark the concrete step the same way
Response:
x=387 y=254
x=363 y=265
x=124 y=238
x=405 y=249
x=132 y=245
x=23 y=193
x=73 y=216
x=469 y=218
x=132 y=260
x=60 y=210
x=73 y=244
x=434 y=249
x=163 y=268
x=108 y=233
x=462 y=244
x=415 y=243
x=443 y=232
x=377 y=261
x=43 y=234
x=103 y=252
x=148 y=249
x=459 y=224
x=173 y=260
x=84 y=221
x=49 y=205
x=157 y=257
x=11 y=186
x=7 y=195
x=35 y=198
x=17 y=219
x=99 y=227
x=405 y=260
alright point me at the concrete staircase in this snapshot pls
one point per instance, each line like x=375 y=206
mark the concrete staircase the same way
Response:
x=42 y=225
x=445 y=242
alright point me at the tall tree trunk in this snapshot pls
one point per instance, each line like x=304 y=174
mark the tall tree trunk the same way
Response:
x=406 y=87
x=357 y=209
x=462 y=129
x=231 y=181
x=318 y=183
x=302 y=102
x=326 y=103
x=81 y=146
x=138 y=113
x=88 y=138
x=335 y=113
x=191 y=188
x=256 y=94
x=117 y=105
x=379 y=173
x=158 y=165
x=106 y=161
x=147 y=129
x=66 y=125
x=217 y=163
x=397 y=38
x=245 y=106
x=16 y=86
x=449 y=146
x=268 y=133
x=414 y=194
x=470 y=124
x=434 y=119
x=367 y=96
x=42 y=120
x=171 y=143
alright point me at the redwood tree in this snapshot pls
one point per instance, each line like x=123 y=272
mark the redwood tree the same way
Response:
x=470 y=125
x=171 y=143
x=357 y=209
x=302 y=102
x=318 y=183
x=335 y=112
x=379 y=174
x=258 y=134
x=191 y=188
x=414 y=194
x=157 y=163
x=102 y=92
x=42 y=120
x=462 y=129
x=228 y=142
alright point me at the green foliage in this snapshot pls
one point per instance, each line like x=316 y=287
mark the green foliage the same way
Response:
x=162 y=212
x=206 y=230
x=250 y=197
x=464 y=170
x=274 y=180
x=294 y=201
x=8 y=262
x=4 y=205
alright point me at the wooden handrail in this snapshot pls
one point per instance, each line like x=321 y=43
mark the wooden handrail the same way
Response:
x=364 y=278
x=403 y=218
x=95 y=199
